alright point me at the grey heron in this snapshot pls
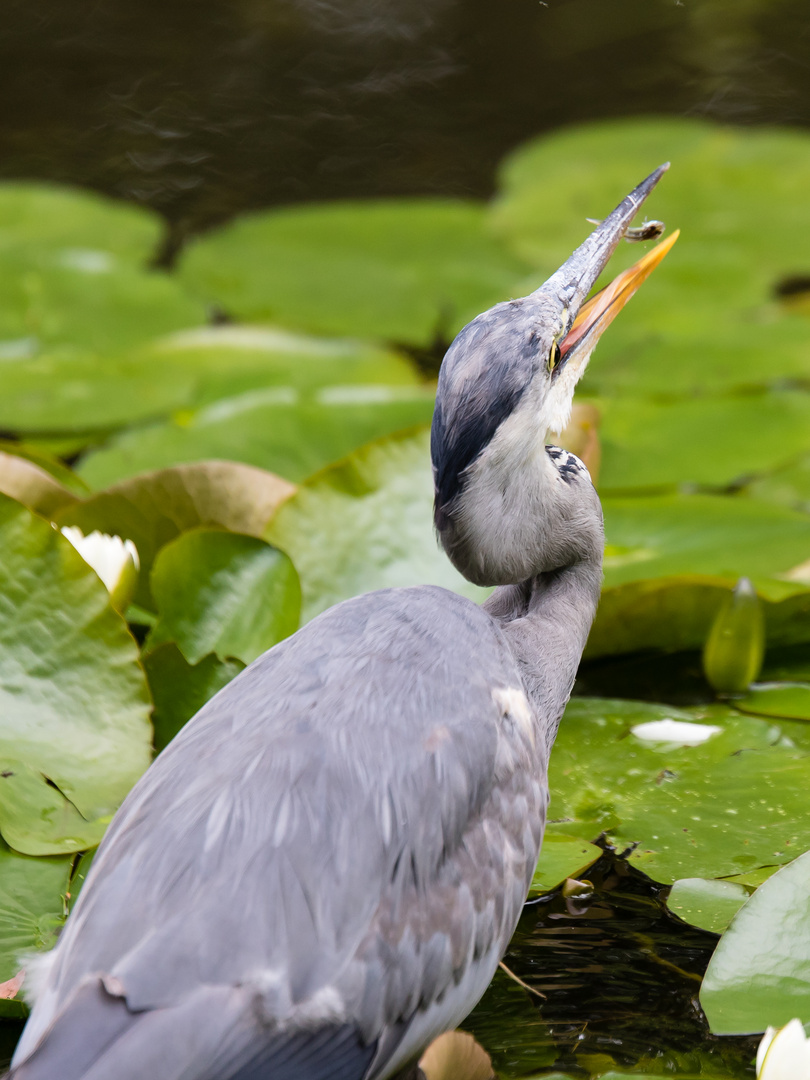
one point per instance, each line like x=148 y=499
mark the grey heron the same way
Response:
x=320 y=874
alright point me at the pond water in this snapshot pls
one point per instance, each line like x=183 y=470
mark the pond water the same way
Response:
x=204 y=110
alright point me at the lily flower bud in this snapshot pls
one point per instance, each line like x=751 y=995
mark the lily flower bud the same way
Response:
x=114 y=560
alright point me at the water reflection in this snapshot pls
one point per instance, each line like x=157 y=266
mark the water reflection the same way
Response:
x=203 y=110
x=621 y=978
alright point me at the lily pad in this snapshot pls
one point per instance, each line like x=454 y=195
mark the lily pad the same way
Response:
x=658 y=536
x=676 y=613
x=51 y=216
x=759 y=975
x=74 y=700
x=32 y=485
x=154 y=508
x=66 y=390
x=709 y=442
x=223 y=593
x=55 y=309
x=269 y=428
x=404 y=270
x=788 y=700
x=706 y=903
x=225 y=361
x=735 y=802
x=739 y=196
x=180 y=689
x=366 y=523
x=32 y=905
x=561 y=857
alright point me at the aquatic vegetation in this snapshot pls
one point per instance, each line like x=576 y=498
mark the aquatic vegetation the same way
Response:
x=254 y=425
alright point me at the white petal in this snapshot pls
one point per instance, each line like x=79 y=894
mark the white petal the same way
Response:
x=107 y=555
x=675 y=731
x=787 y=1054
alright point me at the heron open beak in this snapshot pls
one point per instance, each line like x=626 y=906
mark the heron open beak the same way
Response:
x=599 y=312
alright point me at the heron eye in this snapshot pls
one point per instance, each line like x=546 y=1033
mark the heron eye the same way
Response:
x=554 y=356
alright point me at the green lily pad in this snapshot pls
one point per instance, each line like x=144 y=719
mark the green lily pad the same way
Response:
x=733 y=803
x=74 y=700
x=223 y=593
x=659 y=536
x=32 y=905
x=711 y=442
x=561 y=857
x=759 y=974
x=226 y=361
x=676 y=613
x=55 y=310
x=399 y=270
x=754 y=878
x=283 y=434
x=66 y=390
x=180 y=689
x=366 y=523
x=154 y=508
x=788 y=700
x=706 y=319
x=50 y=216
x=706 y=903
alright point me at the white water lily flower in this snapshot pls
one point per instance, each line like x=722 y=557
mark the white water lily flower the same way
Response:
x=115 y=561
x=675 y=731
x=784 y=1053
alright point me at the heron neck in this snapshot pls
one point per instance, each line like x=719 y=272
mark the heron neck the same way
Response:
x=546 y=621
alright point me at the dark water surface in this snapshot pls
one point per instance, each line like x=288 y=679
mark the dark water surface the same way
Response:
x=203 y=109
x=621 y=978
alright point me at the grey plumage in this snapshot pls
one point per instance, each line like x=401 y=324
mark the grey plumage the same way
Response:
x=321 y=872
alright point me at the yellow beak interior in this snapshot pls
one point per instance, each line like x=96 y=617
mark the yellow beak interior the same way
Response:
x=604 y=306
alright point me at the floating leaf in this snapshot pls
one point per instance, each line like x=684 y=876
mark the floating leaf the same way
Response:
x=67 y=391
x=561 y=857
x=32 y=905
x=154 y=508
x=788 y=700
x=366 y=523
x=180 y=689
x=708 y=321
x=223 y=593
x=676 y=613
x=759 y=975
x=32 y=485
x=57 y=309
x=74 y=699
x=733 y=803
x=267 y=428
x=706 y=903
x=710 y=441
x=400 y=269
x=52 y=217
x=658 y=536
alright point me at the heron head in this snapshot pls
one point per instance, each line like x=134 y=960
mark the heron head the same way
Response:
x=509 y=378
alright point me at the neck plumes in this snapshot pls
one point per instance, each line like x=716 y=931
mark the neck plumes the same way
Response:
x=533 y=526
